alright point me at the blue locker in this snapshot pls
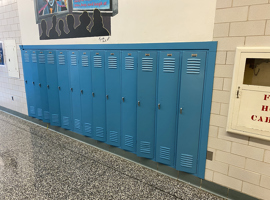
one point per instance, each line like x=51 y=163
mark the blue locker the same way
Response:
x=28 y=78
x=169 y=64
x=64 y=89
x=43 y=85
x=86 y=92
x=113 y=97
x=99 y=95
x=75 y=90
x=146 y=96
x=129 y=106
x=52 y=88
x=191 y=92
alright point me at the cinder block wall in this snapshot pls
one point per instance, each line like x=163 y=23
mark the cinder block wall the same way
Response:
x=10 y=30
x=239 y=162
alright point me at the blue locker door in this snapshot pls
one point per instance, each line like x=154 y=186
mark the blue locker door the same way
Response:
x=35 y=83
x=113 y=97
x=28 y=80
x=75 y=91
x=146 y=96
x=99 y=95
x=64 y=89
x=129 y=106
x=43 y=85
x=169 y=64
x=86 y=92
x=52 y=88
x=191 y=92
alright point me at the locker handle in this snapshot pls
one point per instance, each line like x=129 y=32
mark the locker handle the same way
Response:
x=48 y=86
x=139 y=103
x=107 y=96
x=159 y=106
x=39 y=85
x=59 y=88
x=123 y=99
x=33 y=83
x=71 y=89
x=181 y=110
x=26 y=82
x=81 y=91
x=93 y=94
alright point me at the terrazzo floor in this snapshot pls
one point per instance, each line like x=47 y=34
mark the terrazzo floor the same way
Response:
x=37 y=163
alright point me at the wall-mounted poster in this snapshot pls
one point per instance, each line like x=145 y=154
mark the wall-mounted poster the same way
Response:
x=2 y=63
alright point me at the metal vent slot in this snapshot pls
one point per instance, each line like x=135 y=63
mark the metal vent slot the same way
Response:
x=129 y=63
x=73 y=60
x=41 y=58
x=145 y=147
x=112 y=62
x=32 y=110
x=87 y=128
x=97 y=61
x=114 y=136
x=26 y=57
x=61 y=59
x=50 y=59
x=165 y=153
x=39 y=112
x=193 y=65
x=55 y=118
x=66 y=121
x=100 y=132
x=169 y=65
x=129 y=141
x=46 y=115
x=147 y=64
x=77 y=124
x=186 y=160
x=34 y=58
x=85 y=62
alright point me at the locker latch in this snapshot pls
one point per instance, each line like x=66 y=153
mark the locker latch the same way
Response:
x=48 y=86
x=139 y=103
x=159 y=106
x=181 y=110
x=59 y=88
x=123 y=99
x=93 y=94
x=39 y=85
x=107 y=96
x=33 y=83
x=26 y=82
x=81 y=91
x=71 y=89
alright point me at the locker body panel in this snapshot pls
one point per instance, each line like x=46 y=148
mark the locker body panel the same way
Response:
x=113 y=97
x=146 y=96
x=64 y=89
x=99 y=95
x=52 y=88
x=169 y=65
x=191 y=93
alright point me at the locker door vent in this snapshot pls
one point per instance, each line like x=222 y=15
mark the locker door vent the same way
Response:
x=165 y=153
x=97 y=61
x=145 y=147
x=87 y=128
x=73 y=60
x=112 y=61
x=99 y=132
x=26 y=57
x=114 y=136
x=147 y=64
x=32 y=110
x=77 y=124
x=61 y=59
x=168 y=65
x=129 y=141
x=41 y=58
x=55 y=118
x=129 y=63
x=186 y=160
x=193 y=66
x=65 y=121
x=34 y=58
x=39 y=112
x=50 y=59
x=85 y=62
x=46 y=115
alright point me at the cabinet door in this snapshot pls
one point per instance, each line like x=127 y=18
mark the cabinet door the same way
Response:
x=28 y=79
x=86 y=92
x=129 y=105
x=64 y=89
x=52 y=86
x=146 y=96
x=75 y=90
x=99 y=95
x=191 y=92
x=169 y=64
x=113 y=96
x=43 y=85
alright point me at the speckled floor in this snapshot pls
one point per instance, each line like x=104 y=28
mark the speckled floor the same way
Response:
x=37 y=163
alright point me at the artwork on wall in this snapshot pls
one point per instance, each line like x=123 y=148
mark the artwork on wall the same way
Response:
x=1 y=55
x=74 y=18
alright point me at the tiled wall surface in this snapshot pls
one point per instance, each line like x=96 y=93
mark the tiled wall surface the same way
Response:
x=239 y=162
x=11 y=87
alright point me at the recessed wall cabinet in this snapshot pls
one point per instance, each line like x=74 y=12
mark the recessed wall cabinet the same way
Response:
x=153 y=100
